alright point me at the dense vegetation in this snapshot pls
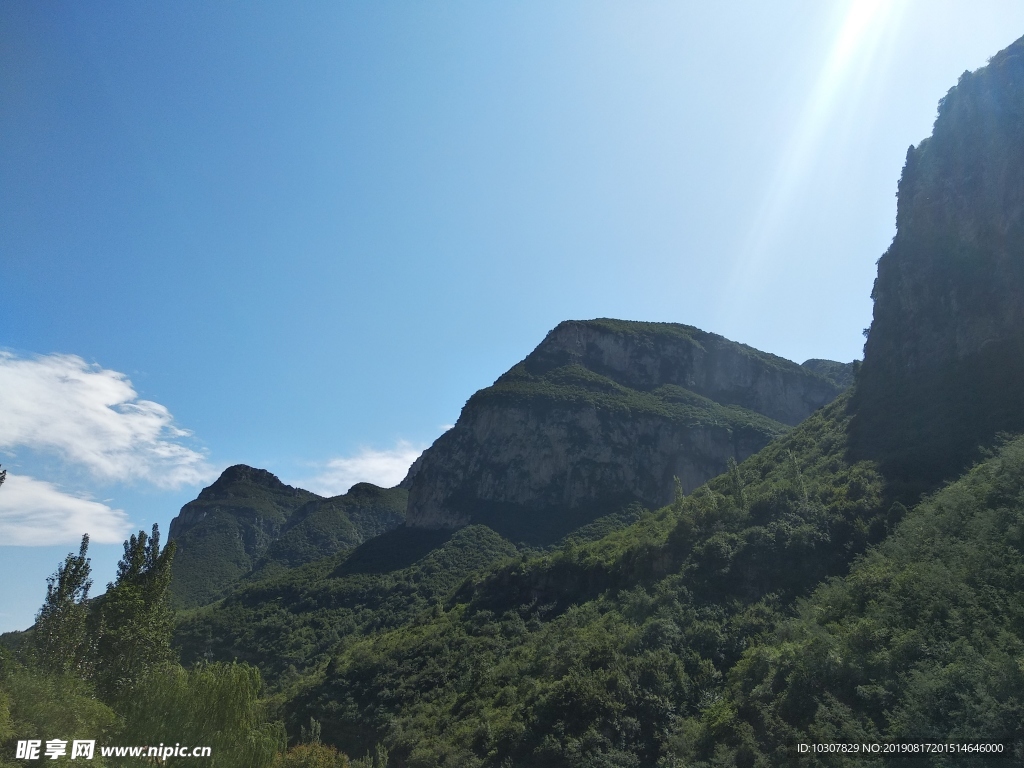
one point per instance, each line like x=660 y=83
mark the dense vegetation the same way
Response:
x=289 y=624
x=922 y=641
x=604 y=652
x=694 y=634
x=103 y=671
x=224 y=532
x=793 y=599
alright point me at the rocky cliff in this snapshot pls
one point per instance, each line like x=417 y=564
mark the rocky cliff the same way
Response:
x=602 y=414
x=944 y=359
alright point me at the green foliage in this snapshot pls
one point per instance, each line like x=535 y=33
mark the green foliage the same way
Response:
x=214 y=705
x=130 y=691
x=35 y=704
x=322 y=528
x=574 y=385
x=606 y=525
x=376 y=758
x=60 y=636
x=134 y=618
x=600 y=652
x=842 y=374
x=313 y=756
x=289 y=624
x=921 y=642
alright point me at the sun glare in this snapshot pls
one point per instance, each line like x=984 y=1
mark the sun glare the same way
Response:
x=868 y=28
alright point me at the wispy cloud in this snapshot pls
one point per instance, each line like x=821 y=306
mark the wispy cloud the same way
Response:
x=93 y=418
x=383 y=468
x=36 y=513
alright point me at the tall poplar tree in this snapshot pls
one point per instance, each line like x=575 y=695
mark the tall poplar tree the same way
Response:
x=135 y=619
x=60 y=638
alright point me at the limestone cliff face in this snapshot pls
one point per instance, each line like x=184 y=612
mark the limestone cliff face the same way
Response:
x=603 y=414
x=944 y=360
x=644 y=356
x=953 y=279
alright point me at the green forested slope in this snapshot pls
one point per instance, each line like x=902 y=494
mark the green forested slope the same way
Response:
x=288 y=624
x=324 y=527
x=607 y=652
x=922 y=641
x=226 y=530
x=693 y=637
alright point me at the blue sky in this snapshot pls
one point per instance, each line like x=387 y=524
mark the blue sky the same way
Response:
x=301 y=235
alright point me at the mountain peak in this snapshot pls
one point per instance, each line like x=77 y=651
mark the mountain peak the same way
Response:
x=244 y=475
x=602 y=414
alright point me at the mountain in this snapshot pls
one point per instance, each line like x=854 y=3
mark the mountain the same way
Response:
x=250 y=523
x=616 y=401
x=852 y=581
x=808 y=595
x=605 y=413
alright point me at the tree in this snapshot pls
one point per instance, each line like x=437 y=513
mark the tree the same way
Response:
x=134 y=617
x=60 y=637
x=210 y=705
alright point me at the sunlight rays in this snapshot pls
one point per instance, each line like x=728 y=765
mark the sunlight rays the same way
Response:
x=863 y=44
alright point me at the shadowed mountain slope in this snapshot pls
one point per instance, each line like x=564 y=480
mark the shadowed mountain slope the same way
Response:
x=248 y=521
x=944 y=359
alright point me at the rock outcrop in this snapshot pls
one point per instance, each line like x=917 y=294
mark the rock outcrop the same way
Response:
x=603 y=414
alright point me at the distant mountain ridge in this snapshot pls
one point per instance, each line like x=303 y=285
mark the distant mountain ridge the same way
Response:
x=250 y=523
x=601 y=415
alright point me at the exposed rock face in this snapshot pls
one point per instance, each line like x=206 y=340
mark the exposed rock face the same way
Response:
x=944 y=360
x=602 y=414
x=644 y=356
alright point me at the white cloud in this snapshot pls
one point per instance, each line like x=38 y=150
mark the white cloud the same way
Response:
x=383 y=468
x=36 y=513
x=92 y=417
